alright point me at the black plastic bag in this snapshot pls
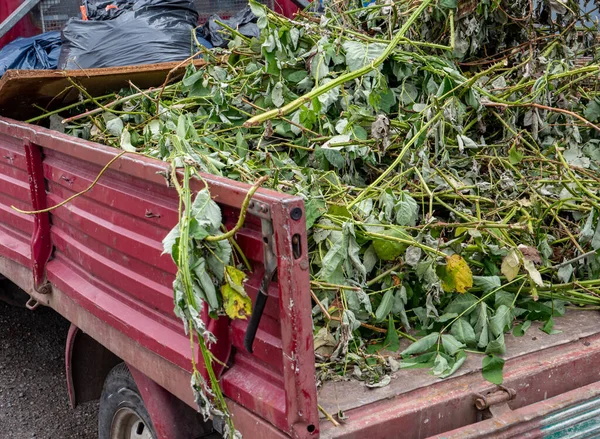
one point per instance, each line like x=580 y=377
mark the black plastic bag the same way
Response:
x=244 y=22
x=144 y=32
x=34 y=53
x=108 y=9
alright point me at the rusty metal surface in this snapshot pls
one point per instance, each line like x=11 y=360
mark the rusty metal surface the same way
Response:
x=21 y=89
x=575 y=325
x=558 y=417
x=443 y=405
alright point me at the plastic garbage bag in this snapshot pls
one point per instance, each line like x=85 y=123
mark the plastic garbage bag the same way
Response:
x=33 y=53
x=244 y=22
x=144 y=32
x=107 y=9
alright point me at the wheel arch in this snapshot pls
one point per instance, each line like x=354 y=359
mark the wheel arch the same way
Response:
x=88 y=363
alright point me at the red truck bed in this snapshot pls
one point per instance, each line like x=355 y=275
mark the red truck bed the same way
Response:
x=97 y=261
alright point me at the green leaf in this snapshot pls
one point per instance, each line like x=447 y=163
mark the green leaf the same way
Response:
x=277 y=95
x=169 y=241
x=487 y=283
x=205 y=285
x=514 y=155
x=459 y=360
x=564 y=273
x=521 y=328
x=440 y=364
x=448 y=4
x=206 y=211
x=389 y=250
x=548 y=328
x=496 y=346
x=407 y=211
x=334 y=156
x=385 y=306
x=422 y=344
x=196 y=231
x=114 y=126
x=482 y=325
x=392 y=342
x=359 y=54
x=451 y=344
x=461 y=303
x=463 y=332
x=492 y=367
x=419 y=362
x=592 y=111
x=501 y=321
x=338 y=252
x=315 y=208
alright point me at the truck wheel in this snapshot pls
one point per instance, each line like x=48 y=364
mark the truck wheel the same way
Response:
x=122 y=413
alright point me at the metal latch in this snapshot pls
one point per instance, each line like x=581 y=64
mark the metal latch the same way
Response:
x=494 y=403
x=270 y=264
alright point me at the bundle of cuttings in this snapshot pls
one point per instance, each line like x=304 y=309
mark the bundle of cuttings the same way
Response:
x=448 y=156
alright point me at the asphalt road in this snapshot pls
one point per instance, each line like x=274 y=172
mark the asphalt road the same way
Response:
x=33 y=395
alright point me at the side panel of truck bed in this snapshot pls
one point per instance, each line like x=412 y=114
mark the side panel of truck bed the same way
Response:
x=107 y=259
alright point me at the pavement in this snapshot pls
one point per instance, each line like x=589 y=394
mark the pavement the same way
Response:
x=34 y=402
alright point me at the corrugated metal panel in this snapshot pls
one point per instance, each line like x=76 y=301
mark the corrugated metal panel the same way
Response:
x=579 y=421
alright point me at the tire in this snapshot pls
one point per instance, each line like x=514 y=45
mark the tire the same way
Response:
x=122 y=413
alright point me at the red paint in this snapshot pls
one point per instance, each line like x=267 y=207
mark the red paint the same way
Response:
x=24 y=28
x=107 y=264
x=41 y=244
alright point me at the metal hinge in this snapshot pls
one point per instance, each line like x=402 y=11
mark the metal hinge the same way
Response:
x=494 y=403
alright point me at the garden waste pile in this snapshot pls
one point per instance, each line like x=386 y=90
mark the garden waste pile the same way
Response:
x=449 y=159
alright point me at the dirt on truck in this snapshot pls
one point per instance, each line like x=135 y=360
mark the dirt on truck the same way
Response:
x=368 y=220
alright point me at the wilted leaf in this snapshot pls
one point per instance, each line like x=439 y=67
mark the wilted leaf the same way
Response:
x=126 y=141
x=534 y=274
x=236 y=302
x=511 y=264
x=457 y=275
x=324 y=342
x=384 y=381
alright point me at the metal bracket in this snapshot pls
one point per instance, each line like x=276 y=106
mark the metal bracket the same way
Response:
x=494 y=403
x=32 y=304
x=270 y=264
x=260 y=209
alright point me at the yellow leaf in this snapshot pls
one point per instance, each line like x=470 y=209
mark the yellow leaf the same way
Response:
x=457 y=275
x=236 y=302
x=511 y=265
x=459 y=231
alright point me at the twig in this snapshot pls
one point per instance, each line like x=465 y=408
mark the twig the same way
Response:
x=328 y=416
x=572 y=261
x=297 y=103
x=72 y=197
x=243 y=211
